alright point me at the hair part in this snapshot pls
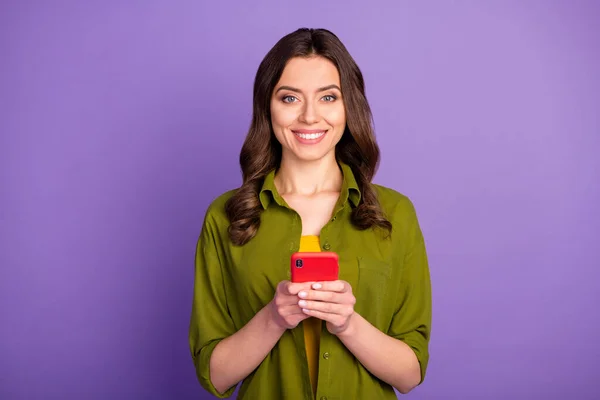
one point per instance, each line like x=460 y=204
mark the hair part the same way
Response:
x=261 y=152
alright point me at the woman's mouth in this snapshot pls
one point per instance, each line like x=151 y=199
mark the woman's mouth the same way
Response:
x=309 y=136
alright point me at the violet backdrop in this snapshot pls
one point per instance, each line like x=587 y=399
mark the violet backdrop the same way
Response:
x=121 y=121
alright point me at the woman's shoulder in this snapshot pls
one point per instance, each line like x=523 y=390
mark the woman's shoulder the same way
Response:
x=215 y=212
x=396 y=205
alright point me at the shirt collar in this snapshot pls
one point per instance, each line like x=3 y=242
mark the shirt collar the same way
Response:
x=350 y=190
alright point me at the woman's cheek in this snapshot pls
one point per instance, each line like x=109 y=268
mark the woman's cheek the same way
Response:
x=337 y=117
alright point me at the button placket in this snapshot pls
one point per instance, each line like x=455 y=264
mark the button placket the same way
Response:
x=324 y=363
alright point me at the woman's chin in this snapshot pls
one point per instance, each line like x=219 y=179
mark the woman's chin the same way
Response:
x=312 y=155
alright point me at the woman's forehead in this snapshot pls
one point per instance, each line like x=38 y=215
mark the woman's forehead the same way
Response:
x=309 y=73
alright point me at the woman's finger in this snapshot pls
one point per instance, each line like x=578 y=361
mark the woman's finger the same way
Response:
x=318 y=295
x=286 y=310
x=329 y=308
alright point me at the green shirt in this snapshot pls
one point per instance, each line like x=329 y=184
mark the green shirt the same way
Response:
x=389 y=278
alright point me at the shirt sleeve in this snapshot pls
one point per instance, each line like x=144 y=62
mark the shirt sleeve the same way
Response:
x=411 y=322
x=210 y=321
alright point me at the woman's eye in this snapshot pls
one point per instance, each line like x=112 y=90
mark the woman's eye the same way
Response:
x=329 y=98
x=289 y=99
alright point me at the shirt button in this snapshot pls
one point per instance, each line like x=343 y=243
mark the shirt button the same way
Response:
x=323 y=398
x=326 y=246
x=326 y=356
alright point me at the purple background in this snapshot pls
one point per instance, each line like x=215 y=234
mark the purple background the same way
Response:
x=119 y=123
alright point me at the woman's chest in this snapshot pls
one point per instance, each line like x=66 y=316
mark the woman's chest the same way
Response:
x=314 y=212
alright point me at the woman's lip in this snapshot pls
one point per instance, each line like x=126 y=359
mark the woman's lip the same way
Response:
x=309 y=130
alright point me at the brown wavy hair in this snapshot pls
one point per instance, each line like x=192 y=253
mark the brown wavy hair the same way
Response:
x=261 y=152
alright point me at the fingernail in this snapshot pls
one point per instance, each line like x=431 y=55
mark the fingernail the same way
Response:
x=302 y=303
x=302 y=294
x=317 y=286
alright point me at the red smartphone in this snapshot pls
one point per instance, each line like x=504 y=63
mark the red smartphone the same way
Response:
x=312 y=267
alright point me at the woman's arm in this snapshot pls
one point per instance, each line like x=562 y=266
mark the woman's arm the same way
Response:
x=386 y=357
x=235 y=357
x=389 y=359
x=223 y=353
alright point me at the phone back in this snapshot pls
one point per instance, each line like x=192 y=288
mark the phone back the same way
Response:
x=313 y=267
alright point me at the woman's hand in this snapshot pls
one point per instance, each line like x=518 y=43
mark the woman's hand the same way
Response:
x=284 y=307
x=332 y=302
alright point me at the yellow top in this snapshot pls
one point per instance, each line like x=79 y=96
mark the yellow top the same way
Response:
x=312 y=326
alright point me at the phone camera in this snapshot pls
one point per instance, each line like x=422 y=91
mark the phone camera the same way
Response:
x=299 y=264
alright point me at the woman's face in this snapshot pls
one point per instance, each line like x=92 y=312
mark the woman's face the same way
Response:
x=307 y=110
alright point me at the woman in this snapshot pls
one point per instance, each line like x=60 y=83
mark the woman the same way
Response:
x=307 y=163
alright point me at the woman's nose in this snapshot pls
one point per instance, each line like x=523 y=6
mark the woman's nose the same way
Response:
x=309 y=113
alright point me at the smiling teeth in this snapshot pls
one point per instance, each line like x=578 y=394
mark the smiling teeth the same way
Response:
x=310 y=136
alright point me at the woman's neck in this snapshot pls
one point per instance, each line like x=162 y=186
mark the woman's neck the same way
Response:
x=308 y=178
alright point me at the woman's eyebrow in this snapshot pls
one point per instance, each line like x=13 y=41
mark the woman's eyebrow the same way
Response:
x=293 y=89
